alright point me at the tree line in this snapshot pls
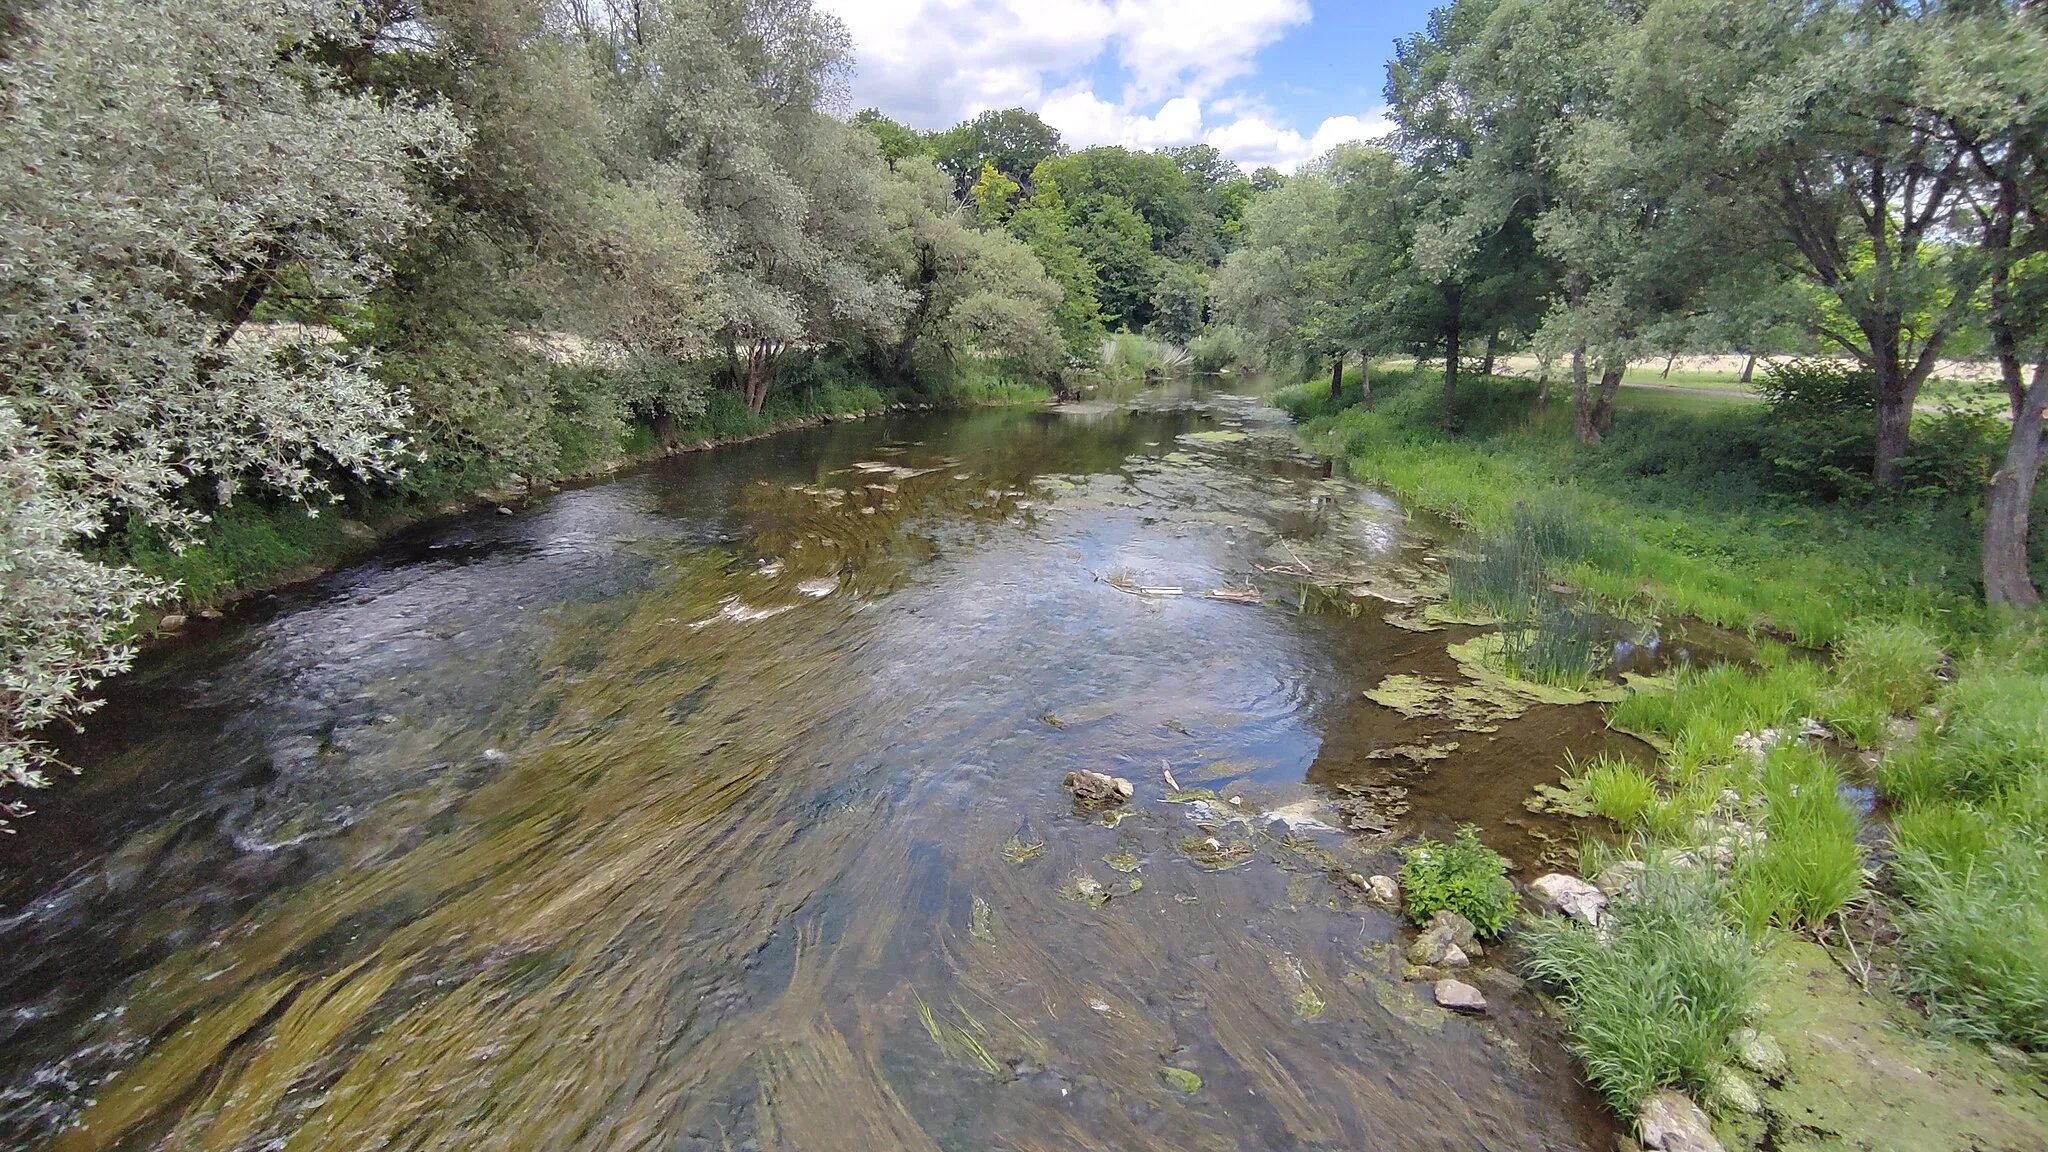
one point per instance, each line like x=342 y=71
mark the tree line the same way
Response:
x=1604 y=180
x=294 y=253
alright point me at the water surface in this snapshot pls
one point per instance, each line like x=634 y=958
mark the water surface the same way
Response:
x=720 y=807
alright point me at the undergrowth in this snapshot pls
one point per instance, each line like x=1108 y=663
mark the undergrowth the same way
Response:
x=1462 y=876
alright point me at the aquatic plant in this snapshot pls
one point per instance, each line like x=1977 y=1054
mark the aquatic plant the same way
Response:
x=1558 y=645
x=1654 y=993
x=1462 y=876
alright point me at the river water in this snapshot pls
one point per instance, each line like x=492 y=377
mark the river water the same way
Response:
x=720 y=807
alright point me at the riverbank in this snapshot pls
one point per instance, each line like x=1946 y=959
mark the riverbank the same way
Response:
x=253 y=547
x=1887 y=812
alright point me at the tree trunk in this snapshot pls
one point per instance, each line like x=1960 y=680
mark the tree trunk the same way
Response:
x=664 y=423
x=2006 y=579
x=1453 y=300
x=1669 y=357
x=1748 y=369
x=1894 y=424
x=1337 y=379
x=1610 y=387
x=1492 y=342
x=1365 y=380
x=760 y=374
x=1582 y=408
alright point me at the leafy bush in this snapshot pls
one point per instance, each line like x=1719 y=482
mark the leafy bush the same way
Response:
x=1654 y=993
x=1130 y=356
x=1820 y=436
x=1463 y=876
x=1220 y=348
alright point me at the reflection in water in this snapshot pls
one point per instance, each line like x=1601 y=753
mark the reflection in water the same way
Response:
x=719 y=807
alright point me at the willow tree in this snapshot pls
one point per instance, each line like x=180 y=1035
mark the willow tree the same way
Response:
x=172 y=169
x=728 y=96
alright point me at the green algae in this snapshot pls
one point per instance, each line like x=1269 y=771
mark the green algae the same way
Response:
x=1181 y=1080
x=1016 y=851
x=1480 y=660
x=1476 y=708
x=1215 y=855
x=1864 y=1075
x=1087 y=890
x=981 y=921
x=1122 y=862
x=1403 y=1004
x=1213 y=437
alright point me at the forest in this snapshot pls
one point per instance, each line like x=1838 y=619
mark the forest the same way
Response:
x=272 y=273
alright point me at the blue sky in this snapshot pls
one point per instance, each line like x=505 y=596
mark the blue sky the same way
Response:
x=1266 y=81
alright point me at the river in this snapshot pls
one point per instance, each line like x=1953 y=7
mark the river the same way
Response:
x=719 y=807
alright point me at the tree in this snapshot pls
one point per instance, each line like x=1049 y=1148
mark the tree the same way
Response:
x=896 y=141
x=973 y=292
x=1180 y=303
x=1014 y=140
x=172 y=170
x=1045 y=224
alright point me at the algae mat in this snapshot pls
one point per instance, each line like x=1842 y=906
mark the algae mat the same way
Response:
x=1864 y=1077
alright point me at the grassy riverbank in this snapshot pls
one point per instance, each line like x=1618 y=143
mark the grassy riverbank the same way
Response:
x=254 y=544
x=1746 y=835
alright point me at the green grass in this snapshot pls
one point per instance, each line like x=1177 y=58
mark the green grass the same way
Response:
x=1809 y=865
x=1653 y=1003
x=1462 y=876
x=1618 y=790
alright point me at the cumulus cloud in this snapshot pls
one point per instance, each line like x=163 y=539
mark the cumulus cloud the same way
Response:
x=935 y=62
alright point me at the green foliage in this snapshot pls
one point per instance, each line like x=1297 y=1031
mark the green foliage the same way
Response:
x=1131 y=357
x=1809 y=864
x=1462 y=876
x=1655 y=993
x=1555 y=644
x=1616 y=789
x=1219 y=349
x=1976 y=937
x=1893 y=663
x=1990 y=742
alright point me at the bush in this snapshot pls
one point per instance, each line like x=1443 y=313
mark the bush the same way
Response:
x=1220 y=348
x=1462 y=876
x=1654 y=993
x=1130 y=356
x=1820 y=437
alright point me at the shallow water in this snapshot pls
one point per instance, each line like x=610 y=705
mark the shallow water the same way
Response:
x=720 y=807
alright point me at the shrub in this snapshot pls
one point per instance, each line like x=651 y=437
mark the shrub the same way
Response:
x=1130 y=356
x=1463 y=876
x=1219 y=348
x=1820 y=437
x=1654 y=1002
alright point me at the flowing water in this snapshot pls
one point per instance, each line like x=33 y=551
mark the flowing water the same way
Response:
x=721 y=807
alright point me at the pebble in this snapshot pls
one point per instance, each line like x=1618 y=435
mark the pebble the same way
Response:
x=1459 y=996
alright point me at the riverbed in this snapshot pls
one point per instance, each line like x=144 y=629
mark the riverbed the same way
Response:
x=720 y=806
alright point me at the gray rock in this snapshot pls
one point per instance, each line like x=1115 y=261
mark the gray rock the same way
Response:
x=1446 y=930
x=357 y=530
x=1383 y=890
x=1459 y=996
x=1096 y=788
x=1558 y=892
x=1669 y=1122
x=170 y=622
x=1623 y=876
x=1759 y=1053
x=1456 y=958
x=1502 y=979
x=1423 y=973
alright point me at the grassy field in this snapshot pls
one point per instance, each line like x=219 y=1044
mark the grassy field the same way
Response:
x=1741 y=831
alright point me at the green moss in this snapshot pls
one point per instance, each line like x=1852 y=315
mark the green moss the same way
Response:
x=1181 y=1080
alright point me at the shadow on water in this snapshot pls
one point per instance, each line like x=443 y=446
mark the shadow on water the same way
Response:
x=719 y=807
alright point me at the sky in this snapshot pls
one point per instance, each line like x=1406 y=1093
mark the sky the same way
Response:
x=1266 y=81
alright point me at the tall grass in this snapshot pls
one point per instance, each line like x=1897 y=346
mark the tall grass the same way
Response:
x=1653 y=1003
x=1558 y=645
x=1809 y=864
x=1616 y=789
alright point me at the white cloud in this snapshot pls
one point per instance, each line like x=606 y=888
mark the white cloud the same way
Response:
x=935 y=62
x=1252 y=141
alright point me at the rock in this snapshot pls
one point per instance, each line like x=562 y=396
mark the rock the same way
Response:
x=1624 y=876
x=1355 y=879
x=357 y=530
x=170 y=622
x=1459 y=996
x=1471 y=948
x=504 y=511
x=1456 y=958
x=1383 y=890
x=1731 y=1094
x=209 y=614
x=1669 y=1122
x=1423 y=973
x=1570 y=895
x=1446 y=930
x=1759 y=1053
x=1096 y=788
x=1502 y=979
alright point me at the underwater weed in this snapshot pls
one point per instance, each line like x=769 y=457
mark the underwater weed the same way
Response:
x=1463 y=876
x=1652 y=995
